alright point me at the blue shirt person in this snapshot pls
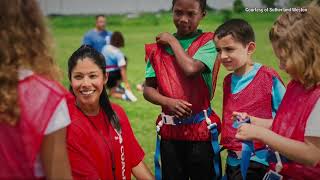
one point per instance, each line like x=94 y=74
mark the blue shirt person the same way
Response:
x=99 y=36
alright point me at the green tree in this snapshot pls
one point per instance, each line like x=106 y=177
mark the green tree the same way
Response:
x=268 y=3
x=295 y=3
x=226 y=15
x=238 y=6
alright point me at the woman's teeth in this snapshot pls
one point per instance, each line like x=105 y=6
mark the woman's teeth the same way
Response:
x=86 y=92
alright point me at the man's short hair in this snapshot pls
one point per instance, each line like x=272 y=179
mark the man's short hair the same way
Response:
x=100 y=15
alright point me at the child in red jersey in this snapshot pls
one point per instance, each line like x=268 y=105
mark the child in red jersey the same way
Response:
x=295 y=131
x=180 y=77
x=252 y=88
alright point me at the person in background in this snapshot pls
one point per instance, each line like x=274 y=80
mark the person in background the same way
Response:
x=117 y=68
x=140 y=86
x=99 y=36
x=33 y=108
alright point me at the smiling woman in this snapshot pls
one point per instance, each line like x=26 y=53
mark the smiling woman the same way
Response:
x=115 y=152
x=87 y=82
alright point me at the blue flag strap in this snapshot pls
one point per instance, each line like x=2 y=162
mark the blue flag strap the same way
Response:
x=192 y=120
x=216 y=149
x=247 y=151
x=157 y=167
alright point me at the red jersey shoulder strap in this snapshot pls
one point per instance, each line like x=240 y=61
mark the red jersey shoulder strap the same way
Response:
x=150 y=50
x=200 y=41
x=196 y=44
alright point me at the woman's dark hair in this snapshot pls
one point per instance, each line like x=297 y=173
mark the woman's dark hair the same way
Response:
x=86 y=51
x=203 y=4
x=117 y=39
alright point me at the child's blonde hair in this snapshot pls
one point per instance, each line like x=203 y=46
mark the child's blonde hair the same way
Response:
x=297 y=37
x=25 y=43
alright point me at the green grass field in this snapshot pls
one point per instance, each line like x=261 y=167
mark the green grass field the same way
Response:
x=68 y=32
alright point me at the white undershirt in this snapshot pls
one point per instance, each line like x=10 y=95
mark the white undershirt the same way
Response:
x=60 y=119
x=313 y=122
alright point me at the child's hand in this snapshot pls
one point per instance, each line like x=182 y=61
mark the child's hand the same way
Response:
x=239 y=116
x=249 y=132
x=179 y=108
x=165 y=38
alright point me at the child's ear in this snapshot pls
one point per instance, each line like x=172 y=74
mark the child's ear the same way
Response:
x=251 y=47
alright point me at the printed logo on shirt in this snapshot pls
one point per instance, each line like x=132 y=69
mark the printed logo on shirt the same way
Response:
x=122 y=157
x=123 y=163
